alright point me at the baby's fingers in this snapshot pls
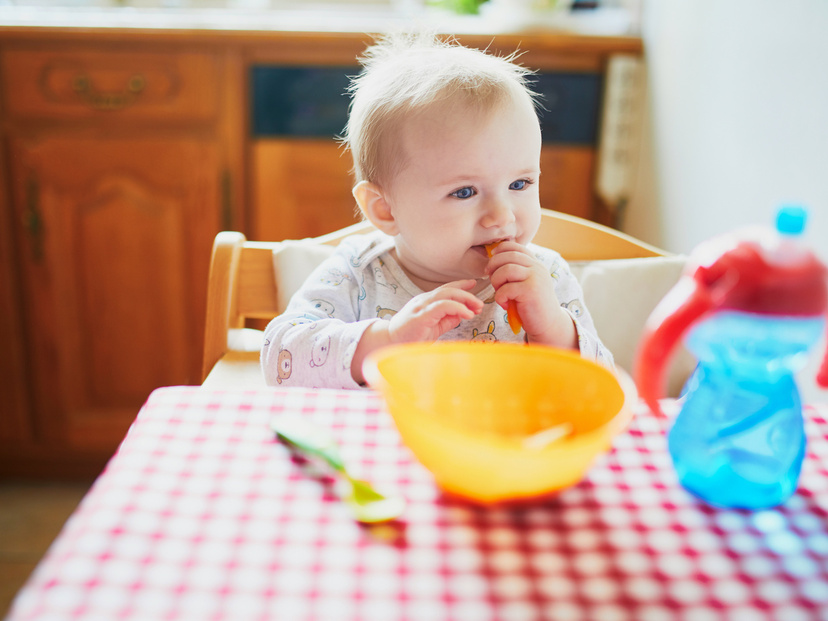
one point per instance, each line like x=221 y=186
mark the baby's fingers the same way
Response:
x=429 y=319
x=458 y=290
x=438 y=309
x=466 y=283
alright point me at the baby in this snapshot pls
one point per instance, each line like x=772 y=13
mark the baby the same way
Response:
x=446 y=147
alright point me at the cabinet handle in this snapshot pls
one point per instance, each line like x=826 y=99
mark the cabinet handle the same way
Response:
x=98 y=100
x=226 y=201
x=32 y=219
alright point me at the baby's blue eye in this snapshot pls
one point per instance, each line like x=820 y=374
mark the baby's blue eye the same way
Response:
x=464 y=193
x=520 y=184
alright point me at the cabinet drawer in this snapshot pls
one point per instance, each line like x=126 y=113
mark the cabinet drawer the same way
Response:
x=105 y=84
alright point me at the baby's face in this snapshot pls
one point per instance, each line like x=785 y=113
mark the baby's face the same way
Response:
x=470 y=178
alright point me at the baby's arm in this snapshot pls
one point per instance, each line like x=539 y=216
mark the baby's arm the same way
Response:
x=425 y=318
x=569 y=292
x=313 y=341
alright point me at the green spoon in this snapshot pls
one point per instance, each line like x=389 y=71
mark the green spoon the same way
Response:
x=366 y=504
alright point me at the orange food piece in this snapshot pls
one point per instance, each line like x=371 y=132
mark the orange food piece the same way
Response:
x=511 y=309
x=513 y=317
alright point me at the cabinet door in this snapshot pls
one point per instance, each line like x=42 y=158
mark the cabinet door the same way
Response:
x=300 y=176
x=114 y=250
x=301 y=188
x=566 y=179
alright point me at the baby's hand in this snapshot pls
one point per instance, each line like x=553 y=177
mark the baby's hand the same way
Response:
x=429 y=315
x=426 y=317
x=518 y=276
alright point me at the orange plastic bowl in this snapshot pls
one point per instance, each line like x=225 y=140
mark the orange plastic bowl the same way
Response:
x=480 y=416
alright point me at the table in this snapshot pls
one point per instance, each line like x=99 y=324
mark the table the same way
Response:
x=203 y=515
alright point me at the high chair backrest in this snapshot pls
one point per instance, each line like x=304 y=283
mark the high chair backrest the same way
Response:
x=243 y=282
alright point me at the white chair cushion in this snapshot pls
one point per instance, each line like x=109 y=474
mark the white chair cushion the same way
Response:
x=620 y=295
x=293 y=262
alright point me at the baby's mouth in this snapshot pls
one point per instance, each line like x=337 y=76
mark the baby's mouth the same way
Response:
x=481 y=250
x=484 y=248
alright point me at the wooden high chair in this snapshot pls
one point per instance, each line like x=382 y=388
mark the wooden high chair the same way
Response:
x=243 y=285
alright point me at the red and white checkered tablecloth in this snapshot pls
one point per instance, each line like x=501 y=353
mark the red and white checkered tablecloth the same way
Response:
x=203 y=515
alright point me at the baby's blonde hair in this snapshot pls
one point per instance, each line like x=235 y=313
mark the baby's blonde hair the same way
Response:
x=405 y=73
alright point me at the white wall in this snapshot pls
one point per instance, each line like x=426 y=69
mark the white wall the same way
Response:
x=736 y=123
x=737 y=118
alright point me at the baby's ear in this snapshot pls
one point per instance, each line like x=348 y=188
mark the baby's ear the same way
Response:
x=371 y=200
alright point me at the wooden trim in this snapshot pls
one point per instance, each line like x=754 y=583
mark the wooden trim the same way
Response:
x=258 y=41
x=221 y=291
x=15 y=425
x=50 y=462
x=255 y=269
x=578 y=239
x=239 y=369
x=234 y=121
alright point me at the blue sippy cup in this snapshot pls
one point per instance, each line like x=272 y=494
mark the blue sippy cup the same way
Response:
x=750 y=306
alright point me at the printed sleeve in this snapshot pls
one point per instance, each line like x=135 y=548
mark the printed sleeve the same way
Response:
x=312 y=343
x=590 y=344
x=571 y=297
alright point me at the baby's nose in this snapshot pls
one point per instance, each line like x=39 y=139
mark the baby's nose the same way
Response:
x=498 y=213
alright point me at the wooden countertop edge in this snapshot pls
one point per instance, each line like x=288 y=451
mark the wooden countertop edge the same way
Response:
x=546 y=41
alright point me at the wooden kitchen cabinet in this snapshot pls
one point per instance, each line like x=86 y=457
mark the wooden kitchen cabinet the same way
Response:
x=113 y=273
x=117 y=184
x=123 y=151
